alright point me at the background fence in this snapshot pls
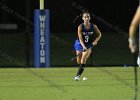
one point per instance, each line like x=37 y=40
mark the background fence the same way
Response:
x=112 y=18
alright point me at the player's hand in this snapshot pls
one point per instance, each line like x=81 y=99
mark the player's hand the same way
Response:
x=84 y=49
x=132 y=45
x=94 y=43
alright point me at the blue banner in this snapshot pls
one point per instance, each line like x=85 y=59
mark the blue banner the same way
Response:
x=41 y=38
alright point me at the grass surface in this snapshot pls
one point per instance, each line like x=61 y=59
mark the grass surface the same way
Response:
x=105 y=83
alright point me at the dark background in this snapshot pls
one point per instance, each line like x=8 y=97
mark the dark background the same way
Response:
x=116 y=12
x=112 y=50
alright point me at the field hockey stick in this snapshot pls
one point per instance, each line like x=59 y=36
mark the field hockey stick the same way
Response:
x=136 y=76
x=72 y=59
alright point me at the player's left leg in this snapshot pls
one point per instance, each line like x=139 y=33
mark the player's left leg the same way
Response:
x=85 y=56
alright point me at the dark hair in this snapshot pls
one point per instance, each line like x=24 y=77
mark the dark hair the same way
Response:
x=85 y=12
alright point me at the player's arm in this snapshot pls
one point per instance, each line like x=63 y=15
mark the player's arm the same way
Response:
x=132 y=30
x=80 y=36
x=134 y=24
x=97 y=31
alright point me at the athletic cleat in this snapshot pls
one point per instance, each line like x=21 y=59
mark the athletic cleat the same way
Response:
x=77 y=78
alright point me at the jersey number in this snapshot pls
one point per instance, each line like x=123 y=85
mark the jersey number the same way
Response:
x=86 y=38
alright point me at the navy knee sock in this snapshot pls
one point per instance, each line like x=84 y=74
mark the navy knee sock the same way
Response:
x=80 y=70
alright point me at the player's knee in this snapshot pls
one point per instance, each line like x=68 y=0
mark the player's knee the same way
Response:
x=83 y=61
x=82 y=66
x=78 y=61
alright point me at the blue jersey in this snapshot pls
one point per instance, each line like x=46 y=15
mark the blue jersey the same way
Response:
x=87 y=35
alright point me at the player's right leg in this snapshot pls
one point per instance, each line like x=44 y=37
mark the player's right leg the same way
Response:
x=77 y=77
x=78 y=47
x=79 y=57
x=84 y=58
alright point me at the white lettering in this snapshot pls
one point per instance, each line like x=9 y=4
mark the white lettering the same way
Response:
x=42 y=31
x=42 y=59
x=42 y=52
x=42 y=18
x=42 y=25
x=42 y=46
x=42 y=38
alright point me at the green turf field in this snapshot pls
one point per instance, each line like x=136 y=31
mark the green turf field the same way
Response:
x=104 y=83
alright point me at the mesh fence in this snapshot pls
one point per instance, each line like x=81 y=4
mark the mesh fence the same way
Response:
x=17 y=45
